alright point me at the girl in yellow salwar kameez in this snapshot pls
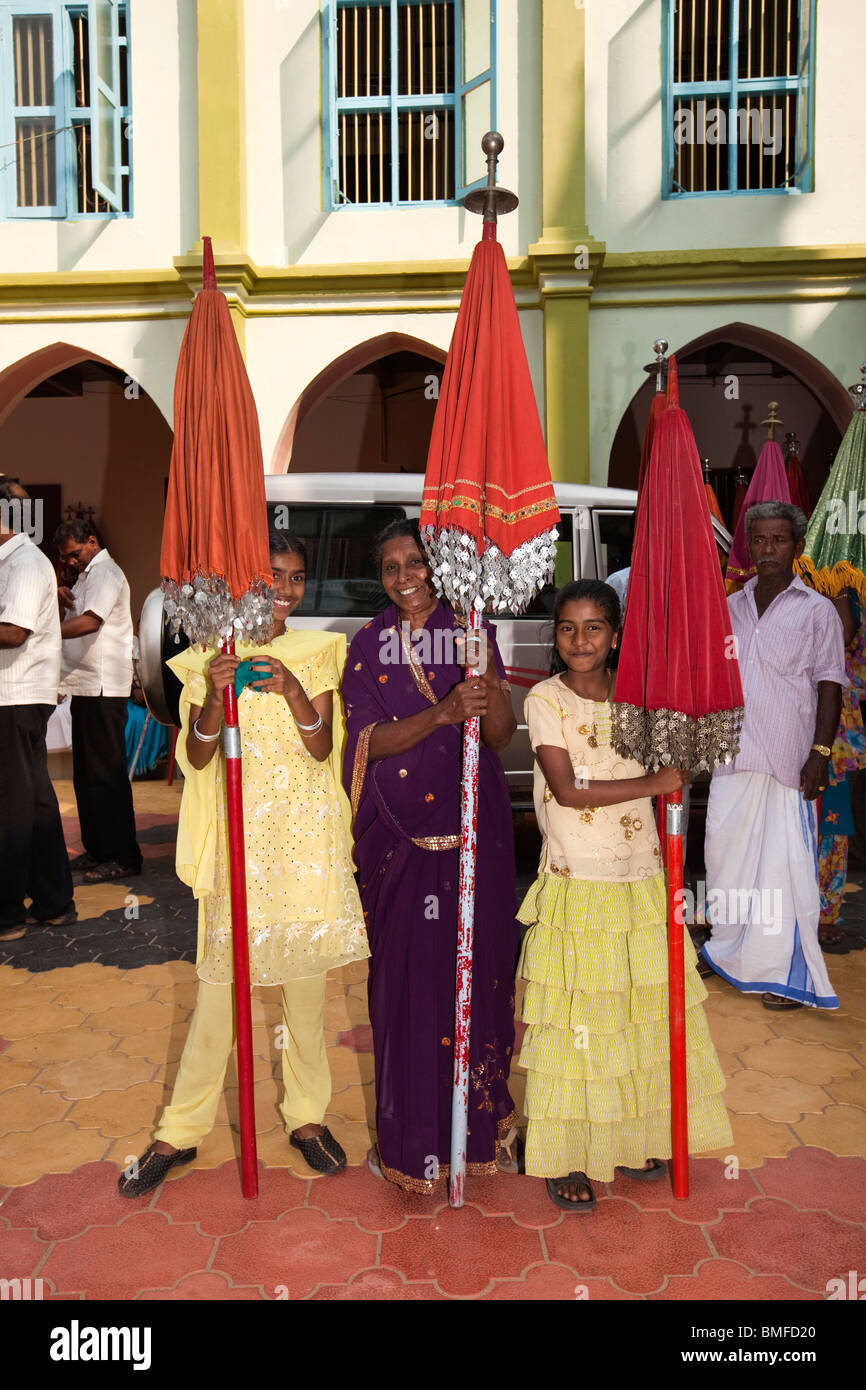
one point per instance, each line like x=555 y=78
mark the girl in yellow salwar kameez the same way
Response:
x=303 y=907
x=595 y=956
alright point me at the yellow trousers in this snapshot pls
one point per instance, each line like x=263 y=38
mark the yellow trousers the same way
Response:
x=197 y=1089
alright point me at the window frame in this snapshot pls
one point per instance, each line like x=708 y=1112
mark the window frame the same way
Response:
x=333 y=107
x=730 y=92
x=66 y=113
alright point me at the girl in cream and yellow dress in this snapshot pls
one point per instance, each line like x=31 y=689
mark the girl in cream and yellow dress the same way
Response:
x=304 y=912
x=595 y=956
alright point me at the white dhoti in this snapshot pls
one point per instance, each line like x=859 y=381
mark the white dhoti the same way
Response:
x=763 y=898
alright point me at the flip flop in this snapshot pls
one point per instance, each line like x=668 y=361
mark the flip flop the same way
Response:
x=554 y=1184
x=108 y=872
x=658 y=1170
x=779 y=1003
x=834 y=945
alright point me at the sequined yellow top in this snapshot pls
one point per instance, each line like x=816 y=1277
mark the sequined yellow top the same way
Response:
x=602 y=843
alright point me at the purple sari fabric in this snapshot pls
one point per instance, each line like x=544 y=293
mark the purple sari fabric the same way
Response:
x=407 y=818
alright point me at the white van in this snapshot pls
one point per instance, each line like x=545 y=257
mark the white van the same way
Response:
x=339 y=516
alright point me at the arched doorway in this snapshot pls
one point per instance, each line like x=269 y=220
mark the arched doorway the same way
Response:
x=370 y=410
x=85 y=437
x=727 y=379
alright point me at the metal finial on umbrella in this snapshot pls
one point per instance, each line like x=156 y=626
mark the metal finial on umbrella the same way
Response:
x=858 y=390
x=492 y=199
x=660 y=347
x=772 y=420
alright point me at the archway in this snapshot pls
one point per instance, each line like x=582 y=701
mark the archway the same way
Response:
x=86 y=439
x=727 y=379
x=370 y=409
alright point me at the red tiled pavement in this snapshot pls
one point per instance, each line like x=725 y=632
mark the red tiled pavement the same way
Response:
x=359 y=1038
x=65 y=1204
x=298 y=1252
x=556 y=1282
x=773 y=1237
x=724 y=1279
x=461 y=1250
x=213 y=1200
x=378 y=1285
x=145 y=1251
x=634 y=1249
x=816 y=1180
x=201 y=1286
x=710 y=1192
x=376 y=1205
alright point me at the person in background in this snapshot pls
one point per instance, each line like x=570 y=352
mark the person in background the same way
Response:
x=97 y=674
x=761 y=840
x=33 y=859
x=836 y=814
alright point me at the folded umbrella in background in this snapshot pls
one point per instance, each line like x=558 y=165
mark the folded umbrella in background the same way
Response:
x=769 y=484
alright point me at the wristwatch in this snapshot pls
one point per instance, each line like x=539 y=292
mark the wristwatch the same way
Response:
x=822 y=749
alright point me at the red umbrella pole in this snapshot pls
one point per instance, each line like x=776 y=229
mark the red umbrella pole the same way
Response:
x=240 y=942
x=465 y=927
x=677 y=997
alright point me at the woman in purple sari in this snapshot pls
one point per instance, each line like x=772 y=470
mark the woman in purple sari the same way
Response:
x=405 y=704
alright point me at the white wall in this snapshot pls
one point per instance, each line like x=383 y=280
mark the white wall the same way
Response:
x=285 y=354
x=165 y=173
x=287 y=223
x=624 y=143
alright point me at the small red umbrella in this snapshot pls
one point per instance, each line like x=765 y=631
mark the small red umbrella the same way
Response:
x=679 y=700
x=487 y=515
x=216 y=576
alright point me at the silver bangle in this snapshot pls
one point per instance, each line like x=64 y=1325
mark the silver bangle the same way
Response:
x=309 y=728
x=205 y=738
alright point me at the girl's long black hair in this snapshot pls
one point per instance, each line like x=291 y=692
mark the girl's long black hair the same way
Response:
x=286 y=543
x=595 y=591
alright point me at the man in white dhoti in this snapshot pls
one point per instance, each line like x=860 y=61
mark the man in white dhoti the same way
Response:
x=761 y=842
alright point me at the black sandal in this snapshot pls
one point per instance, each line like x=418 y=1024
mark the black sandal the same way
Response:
x=82 y=862
x=779 y=1003
x=151 y=1170
x=658 y=1170
x=321 y=1152
x=583 y=1185
x=108 y=872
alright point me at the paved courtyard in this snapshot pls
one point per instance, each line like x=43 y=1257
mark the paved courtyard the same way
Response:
x=92 y=1021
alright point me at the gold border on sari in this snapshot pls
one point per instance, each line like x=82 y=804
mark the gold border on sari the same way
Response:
x=359 y=769
x=437 y=841
x=416 y=669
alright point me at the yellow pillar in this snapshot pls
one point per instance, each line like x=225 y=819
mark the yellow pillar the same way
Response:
x=222 y=148
x=566 y=256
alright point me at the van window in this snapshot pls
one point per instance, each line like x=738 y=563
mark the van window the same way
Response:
x=542 y=604
x=614 y=537
x=341 y=581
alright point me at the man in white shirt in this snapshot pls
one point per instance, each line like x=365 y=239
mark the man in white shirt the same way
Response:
x=97 y=674
x=33 y=859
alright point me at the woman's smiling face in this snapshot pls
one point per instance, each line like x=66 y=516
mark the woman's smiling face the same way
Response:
x=406 y=577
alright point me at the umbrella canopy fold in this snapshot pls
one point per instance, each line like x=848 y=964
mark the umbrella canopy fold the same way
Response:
x=214 y=559
x=488 y=511
x=679 y=700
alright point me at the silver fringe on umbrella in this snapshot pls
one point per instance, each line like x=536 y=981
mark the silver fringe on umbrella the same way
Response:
x=666 y=738
x=209 y=615
x=493 y=582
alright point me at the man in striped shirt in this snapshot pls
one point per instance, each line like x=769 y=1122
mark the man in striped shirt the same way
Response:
x=761 y=843
x=33 y=859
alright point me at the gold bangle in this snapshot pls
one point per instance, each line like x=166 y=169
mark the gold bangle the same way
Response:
x=822 y=749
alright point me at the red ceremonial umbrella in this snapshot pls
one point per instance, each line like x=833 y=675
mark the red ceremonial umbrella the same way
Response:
x=769 y=483
x=216 y=578
x=797 y=484
x=678 y=701
x=486 y=518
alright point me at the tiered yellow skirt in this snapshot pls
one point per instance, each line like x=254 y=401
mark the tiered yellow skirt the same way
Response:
x=596 y=1049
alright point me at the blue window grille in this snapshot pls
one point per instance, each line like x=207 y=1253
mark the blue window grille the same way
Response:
x=409 y=90
x=65 y=116
x=737 y=97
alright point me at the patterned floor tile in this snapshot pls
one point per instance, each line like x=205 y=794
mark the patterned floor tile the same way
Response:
x=26 y=1107
x=636 y=1250
x=724 y=1280
x=63 y=1205
x=841 y=1129
x=713 y=1187
x=461 y=1250
x=144 y=1251
x=93 y=1076
x=557 y=1283
x=755 y=1138
x=379 y=1285
x=52 y=1148
x=201 y=1287
x=298 y=1252
x=807 y=1247
x=850 y=1091
x=214 y=1202
x=804 y=1061
x=813 y=1179
x=780 y=1098
x=376 y=1205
